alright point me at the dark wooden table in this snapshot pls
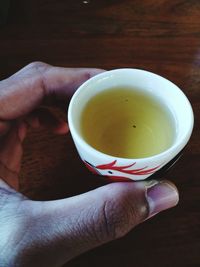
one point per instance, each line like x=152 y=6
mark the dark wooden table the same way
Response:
x=161 y=36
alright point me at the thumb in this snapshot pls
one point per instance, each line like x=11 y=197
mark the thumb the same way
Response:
x=80 y=223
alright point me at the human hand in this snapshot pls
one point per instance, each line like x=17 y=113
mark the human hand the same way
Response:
x=50 y=233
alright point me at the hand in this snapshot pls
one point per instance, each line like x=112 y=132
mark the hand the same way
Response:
x=50 y=233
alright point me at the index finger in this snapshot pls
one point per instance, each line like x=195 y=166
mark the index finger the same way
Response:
x=25 y=90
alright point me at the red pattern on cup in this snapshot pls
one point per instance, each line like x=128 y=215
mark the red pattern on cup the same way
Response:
x=122 y=169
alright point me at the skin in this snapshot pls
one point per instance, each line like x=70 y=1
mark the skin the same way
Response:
x=50 y=233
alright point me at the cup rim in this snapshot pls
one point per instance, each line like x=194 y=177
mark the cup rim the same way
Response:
x=177 y=146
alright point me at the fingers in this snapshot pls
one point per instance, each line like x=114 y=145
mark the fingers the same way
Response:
x=24 y=91
x=4 y=127
x=11 y=154
x=63 y=82
x=80 y=223
x=43 y=117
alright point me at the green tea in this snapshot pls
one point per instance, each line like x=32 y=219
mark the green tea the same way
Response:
x=124 y=122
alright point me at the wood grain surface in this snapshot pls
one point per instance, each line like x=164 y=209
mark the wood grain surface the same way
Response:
x=157 y=35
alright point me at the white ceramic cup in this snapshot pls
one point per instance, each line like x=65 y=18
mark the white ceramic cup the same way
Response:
x=134 y=168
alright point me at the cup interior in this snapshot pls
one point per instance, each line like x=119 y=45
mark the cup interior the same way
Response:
x=152 y=84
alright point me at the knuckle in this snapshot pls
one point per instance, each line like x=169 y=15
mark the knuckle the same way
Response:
x=37 y=65
x=121 y=216
x=116 y=219
x=37 y=68
x=102 y=223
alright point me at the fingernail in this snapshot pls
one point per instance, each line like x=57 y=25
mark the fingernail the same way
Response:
x=161 y=196
x=62 y=128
